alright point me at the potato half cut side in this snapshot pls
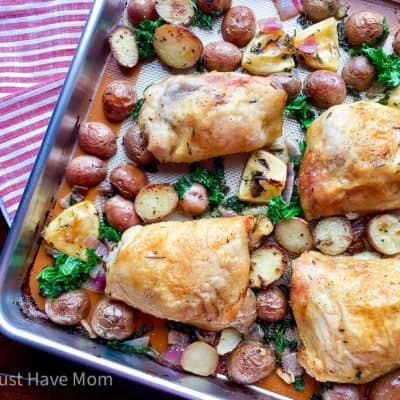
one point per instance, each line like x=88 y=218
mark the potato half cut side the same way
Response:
x=266 y=266
x=294 y=235
x=175 y=11
x=176 y=46
x=123 y=46
x=333 y=235
x=384 y=234
x=200 y=358
x=155 y=201
x=228 y=341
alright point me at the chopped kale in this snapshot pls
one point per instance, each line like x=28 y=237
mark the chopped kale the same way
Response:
x=303 y=21
x=298 y=384
x=274 y=332
x=233 y=203
x=67 y=273
x=135 y=113
x=144 y=33
x=127 y=348
x=278 y=209
x=107 y=232
x=300 y=109
x=200 y=19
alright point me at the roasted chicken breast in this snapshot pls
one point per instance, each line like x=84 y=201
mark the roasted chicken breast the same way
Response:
x=347 y=315
x=189 y=118
x=195 y=272
x=352 y=161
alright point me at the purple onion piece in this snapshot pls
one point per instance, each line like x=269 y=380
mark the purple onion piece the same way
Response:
x=288 y=189
x=172 y=357
x=102 y=250
x=228 y=213
x=177 y=338
x=90 y=242
x=290 y=365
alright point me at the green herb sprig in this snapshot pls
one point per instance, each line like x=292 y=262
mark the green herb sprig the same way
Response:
x=107 y=232
x=213 y=180
x=278 y=209
x=127 y=348
x=233 y=203
x=200 y=19
x=67 y=273
x=135 y=113
x=387 y=65
x=144 y=33
x=298 y=384
x=300 y=109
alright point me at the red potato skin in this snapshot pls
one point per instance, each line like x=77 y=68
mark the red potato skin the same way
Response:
x=396 y=43
x=128 y=180
x=344 y=392
x=359 y=73
x=271 y=304
x=97 y=139
x=213 y=7
x=139 y=10
x=325 y=88
x=239 y=26
x=119 y=100
x=387 y=387
x=221 y=56
x=135 y=144
x=86 y=171
x=121 y=213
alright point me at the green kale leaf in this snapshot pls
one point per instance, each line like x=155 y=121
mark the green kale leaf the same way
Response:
x=300 y=109
x=278 y=209
x=67 y=273
x=144 y=33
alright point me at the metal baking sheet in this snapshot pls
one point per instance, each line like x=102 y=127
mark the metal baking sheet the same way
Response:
x=42 y=188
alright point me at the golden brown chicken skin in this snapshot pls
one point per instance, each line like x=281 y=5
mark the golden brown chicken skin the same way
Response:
x=352 y=161
x=189 y=118
x=195 y=272
x=347 y=315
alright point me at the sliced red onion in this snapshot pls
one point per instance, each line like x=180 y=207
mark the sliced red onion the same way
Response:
x=100 y=283
x=293 y=148
x=228 y=213
x=102 y=250
x=172 y=356
x=96 y=270
x=177 y=338
x=270 y=25
x=309 y=46
x=207 y=336
x=288 y=189
x=139 y=342
x=97 y=279
x=91 y=242
x=290 y=365
x=286 y=9
x=222 y=367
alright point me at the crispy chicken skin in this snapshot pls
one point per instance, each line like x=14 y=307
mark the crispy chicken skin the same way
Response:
x=347 y=314
x=195 y=272
x=189 y=118
x=352 y=161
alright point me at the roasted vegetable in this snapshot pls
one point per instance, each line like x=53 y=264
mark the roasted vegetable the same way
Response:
x=263 y=178
x=67 y=273
x=123 y=46
x=144 y=33
x=300 y=109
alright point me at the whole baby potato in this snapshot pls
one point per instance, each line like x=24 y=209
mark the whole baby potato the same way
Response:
x=214 y=7
x=364 y=27
x=317 y=10
x=359 y=73
x=290 y=83
x=119 y=99
x=97 y=139
x=85 y=171
x=387 y=387
x=271 y=304
x=121 y=213
x=340 y=391
x=221 y=56
x=135 y=144
x=139 y=10
x=239 y=26
x=128 y=180
x=325 y=88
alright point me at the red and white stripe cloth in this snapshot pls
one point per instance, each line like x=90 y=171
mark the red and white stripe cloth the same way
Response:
x=38 y=39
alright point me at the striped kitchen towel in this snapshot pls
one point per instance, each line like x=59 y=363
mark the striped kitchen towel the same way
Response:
x=38 y=39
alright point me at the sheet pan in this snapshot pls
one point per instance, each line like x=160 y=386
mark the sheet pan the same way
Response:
x=23 y=240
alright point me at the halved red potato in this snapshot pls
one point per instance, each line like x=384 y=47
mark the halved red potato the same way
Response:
x=200 y=358
x=294 y=235
x=175 y=11
x=266 y=266
x=123 y=46
x=333 y=235
x=384 y=234
x=156 y=201
x=176 y=46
